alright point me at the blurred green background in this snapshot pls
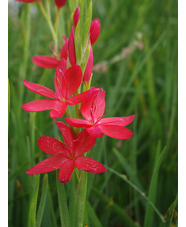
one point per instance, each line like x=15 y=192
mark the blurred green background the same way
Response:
x=136 y=62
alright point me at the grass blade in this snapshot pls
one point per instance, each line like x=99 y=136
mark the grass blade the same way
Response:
x=153 y=185
x=124 y=177
x=42 y=201
x=94 y=220
x=33 y=204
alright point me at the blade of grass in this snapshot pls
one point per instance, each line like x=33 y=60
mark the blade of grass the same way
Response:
x=42 y=201
x=153 y=185
x=136 y=72
x=33 y=204
x=17 y=171
x=94 y=220
x=124 y=177
x=124 y=217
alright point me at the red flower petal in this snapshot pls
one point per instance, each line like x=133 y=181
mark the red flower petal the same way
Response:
x=47 y=165
x=68 y=135
x=83 y=143
x=60 y=3
x=77 y=122
x=76 y=16
x=52 y=146
x=89 y=67
x=99 y=105
x=94 y=30
x=72 y=79
x=94 y=131
x=89 y=165
x=39 y=89
x=88 y=102
x=59 y=110
x=40 y=105
x=71 y=48
x=58 y=80
x=77 y=98
x=66 y=171
x=120 y=121
x=115 y=131
x=64 y=48
x=45 y=61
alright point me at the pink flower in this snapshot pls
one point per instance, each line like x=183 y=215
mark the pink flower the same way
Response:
x=60 y=3
x=92 y=110
x=94 y=27
x=66 y=83
x=67 y=157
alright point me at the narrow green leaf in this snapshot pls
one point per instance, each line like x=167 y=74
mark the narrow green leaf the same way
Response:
x=51 y=207
x=153 y=185
x=73 y=4
x=63 y=208
x=33 y=204
x=94 y=220
x=119 y=211
x=17 y=171
x=42 y=201
x=124 y=177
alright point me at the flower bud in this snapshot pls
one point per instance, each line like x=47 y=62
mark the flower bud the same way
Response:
x=76 y=16
x=89 y=67
x=94 y=30
x=60 y=3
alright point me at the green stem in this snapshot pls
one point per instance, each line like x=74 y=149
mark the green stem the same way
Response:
x=80 y=200
x=63 y=209
x=49 y=22
x=56 y=22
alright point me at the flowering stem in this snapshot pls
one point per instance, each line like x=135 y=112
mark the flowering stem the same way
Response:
x=80 y=200
x=56 y=22
x=63 y=209
x=49 y=22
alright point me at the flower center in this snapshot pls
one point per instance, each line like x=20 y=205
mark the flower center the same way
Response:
x=63 y=100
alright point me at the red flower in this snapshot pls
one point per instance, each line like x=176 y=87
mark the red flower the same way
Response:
x=94 y=27
x=66 y=83
x=60 y=3
x=67 y=156
x=92 y=110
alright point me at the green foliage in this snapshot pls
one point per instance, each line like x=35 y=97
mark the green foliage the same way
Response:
x=135 y=61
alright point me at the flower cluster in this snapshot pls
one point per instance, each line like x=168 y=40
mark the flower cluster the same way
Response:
x=68 y=81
